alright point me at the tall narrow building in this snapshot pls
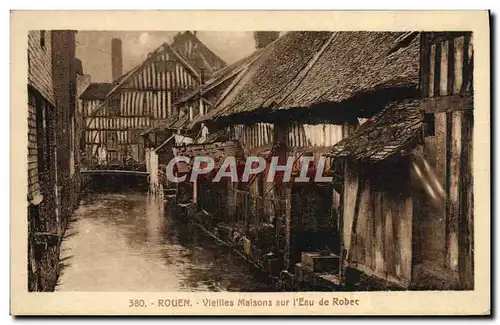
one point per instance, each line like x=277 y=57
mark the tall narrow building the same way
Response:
x=116 y=58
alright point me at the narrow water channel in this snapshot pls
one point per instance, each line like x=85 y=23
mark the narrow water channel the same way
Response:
x=130 y=242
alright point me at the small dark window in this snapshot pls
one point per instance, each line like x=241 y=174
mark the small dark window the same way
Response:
x=112 y=140
x=175 y=110
x=145 y=108
x=430 y=127
x=114 y=106
x=196 y=110
x=42 y=38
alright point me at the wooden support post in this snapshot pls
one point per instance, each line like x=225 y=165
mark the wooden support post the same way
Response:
x=245 y=208
x=453 y=176
x=231 y=201
x=340 y=222
x=195 y=192
x=287 y=197
x=466 y=222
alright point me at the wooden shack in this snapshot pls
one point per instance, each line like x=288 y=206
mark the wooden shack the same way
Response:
x=407 y=201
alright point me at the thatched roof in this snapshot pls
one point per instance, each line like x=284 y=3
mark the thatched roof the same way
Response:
x=280 y=65
x=383 y=135
x=265 y=73
x=219 y=77
x=353 y=63
x=173 y=122
x=96 y=91
x=302 y=69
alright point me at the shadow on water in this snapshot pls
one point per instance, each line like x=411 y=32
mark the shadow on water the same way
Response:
x=107 y=183
x=216 y=266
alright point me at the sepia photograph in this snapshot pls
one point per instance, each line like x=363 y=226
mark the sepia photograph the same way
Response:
x=257 y=161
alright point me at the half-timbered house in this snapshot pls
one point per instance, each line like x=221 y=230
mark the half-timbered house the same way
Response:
x=298 y=97
x=144 y=96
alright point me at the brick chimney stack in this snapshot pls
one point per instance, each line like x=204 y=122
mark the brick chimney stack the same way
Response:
x=116 y=58
x=263 y=39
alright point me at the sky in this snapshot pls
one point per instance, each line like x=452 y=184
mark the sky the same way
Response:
x=93 y=48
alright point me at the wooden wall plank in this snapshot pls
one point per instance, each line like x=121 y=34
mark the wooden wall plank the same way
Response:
x=40 y=64
x=379 y=231
x=454 y=188
x=451 y=66
x=466 y=222
x=432 y=70
x=154 y=76
x=443 y=84
x=459 y=58
x=389 y=243
x=364 y=232
x=406 y=240
x=169 y=103
x=351 y=182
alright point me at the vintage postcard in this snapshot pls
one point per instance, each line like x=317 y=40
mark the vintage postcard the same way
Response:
x=250 y=163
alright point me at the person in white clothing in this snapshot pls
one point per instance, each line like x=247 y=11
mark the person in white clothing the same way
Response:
x=102 y=155
x=203 y=133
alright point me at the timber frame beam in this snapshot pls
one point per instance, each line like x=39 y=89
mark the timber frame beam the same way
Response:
x=460 y=102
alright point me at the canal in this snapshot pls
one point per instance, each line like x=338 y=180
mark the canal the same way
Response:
x=131 y=242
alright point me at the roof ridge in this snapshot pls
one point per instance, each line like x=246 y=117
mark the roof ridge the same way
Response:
x=239 y=72
x=206 y=47
x=149 y=59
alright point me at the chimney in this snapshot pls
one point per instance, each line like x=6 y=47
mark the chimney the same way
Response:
x=263 y=39
x=116 y=58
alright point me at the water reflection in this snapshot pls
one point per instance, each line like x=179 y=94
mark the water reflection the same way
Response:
x=131 y=242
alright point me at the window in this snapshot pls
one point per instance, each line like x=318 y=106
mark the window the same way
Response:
x=112 y=138
x=114 y=106
x=177 y=94
x=145 y=108
x=196 y=109
x=429 y=123
x=42 y=39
